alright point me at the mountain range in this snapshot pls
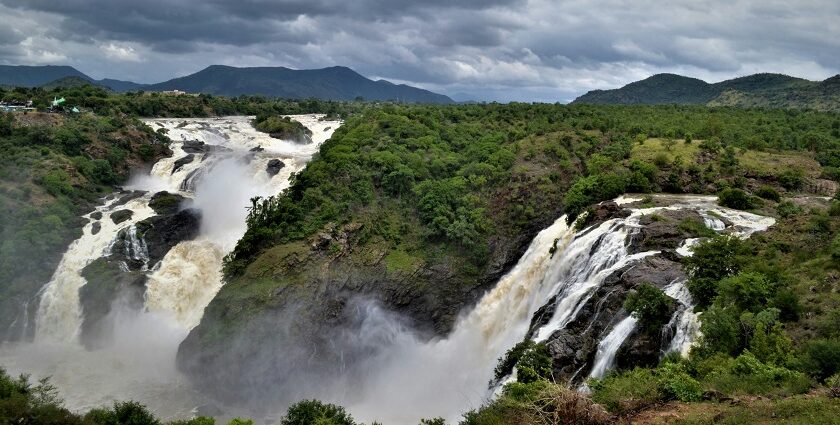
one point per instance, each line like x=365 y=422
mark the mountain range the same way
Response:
x=333 y=83
x=757 y=90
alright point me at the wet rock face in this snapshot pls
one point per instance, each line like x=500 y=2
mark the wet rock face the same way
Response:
x=108 y=282
x=166 y=203
x=120 y=216
x=121 y=276
x=96 y=215
x=326 y=276
x=194 y=146
x=199 y=147
x=127 y=197
x=574 y=347
x=162 y=232
x=274 y=166
x=179 y=163
x=664 y=230
x=95 y=228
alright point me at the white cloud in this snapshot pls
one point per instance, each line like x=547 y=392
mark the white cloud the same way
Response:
x=123 y=53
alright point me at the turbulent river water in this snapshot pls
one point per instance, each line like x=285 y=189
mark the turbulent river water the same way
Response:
x=408 y=377
x=139 y=363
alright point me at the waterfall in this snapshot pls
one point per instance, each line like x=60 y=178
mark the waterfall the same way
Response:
x=59 y=315
x=610 y=344
x=228 y=167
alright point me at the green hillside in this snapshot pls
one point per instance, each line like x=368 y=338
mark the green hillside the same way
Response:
x=753 y=91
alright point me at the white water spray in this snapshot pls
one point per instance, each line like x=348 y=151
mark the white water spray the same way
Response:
x=179 y=287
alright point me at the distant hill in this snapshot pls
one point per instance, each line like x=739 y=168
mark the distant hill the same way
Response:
x=33 y=76
x=758 y=90
x=68 y=82
x=334 y=83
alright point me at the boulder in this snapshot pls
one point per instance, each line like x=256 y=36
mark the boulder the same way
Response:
x=274 y=166
x=127 y=197
x=120 y=216
x=194 y=146
x=180 y=162
x=166 y=203
x=95 y=228
x=96 y=215
x=162 y=232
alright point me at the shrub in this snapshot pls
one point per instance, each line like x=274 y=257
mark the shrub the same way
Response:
x=57 y=182
x=821 y=358
x=768 y=192
x=627 y=391
x=123 y=413
x=650 y=306
x=746 y=374
x=660 y=160
x=735 y=198
x=715 y=259
x=746 y=291
x=834 y=208
x=721 y=332
x=834 y=249
x=534 y=364
x=696 y=228
x=531 y=360
x=833 y=384
x=787 y=209
x=791 y=179
x=540 y=402
x=677 y=384
x=310 y=412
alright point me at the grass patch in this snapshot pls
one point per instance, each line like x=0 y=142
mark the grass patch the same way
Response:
x=648 y=151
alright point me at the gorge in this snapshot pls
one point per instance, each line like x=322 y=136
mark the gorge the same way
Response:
x=566 y=290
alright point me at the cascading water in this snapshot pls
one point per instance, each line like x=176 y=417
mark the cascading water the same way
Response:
x=227 y=165
x=448 y=376
x=408 y=377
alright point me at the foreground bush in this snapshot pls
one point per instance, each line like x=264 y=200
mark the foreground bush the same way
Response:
x=735 y=198
x=312 y=412
x=746 y=374
x=634 y=390
x=539 y=402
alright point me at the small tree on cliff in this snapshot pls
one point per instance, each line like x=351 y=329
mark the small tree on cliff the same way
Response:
x=650 y=306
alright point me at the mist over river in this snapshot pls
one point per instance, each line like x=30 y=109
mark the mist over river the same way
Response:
x=137 y=361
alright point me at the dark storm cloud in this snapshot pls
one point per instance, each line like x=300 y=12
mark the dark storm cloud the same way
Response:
x=497 y=49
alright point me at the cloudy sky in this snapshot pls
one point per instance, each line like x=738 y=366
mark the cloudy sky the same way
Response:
x=533 y=50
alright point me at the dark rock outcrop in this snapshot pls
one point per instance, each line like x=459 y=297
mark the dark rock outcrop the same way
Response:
x=166 y=203
x=194 y=146
x=127 y=197
x=162 y=232
x=96 y=215
x=274 y=166
x=179 y=163
x=107 y=282
x=199 y=147
x=120 y=216
x=121 y=275
x=95 y=228
x=574 y=347
x=666 y=230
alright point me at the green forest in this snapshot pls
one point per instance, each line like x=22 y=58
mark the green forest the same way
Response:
x=460 y=185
